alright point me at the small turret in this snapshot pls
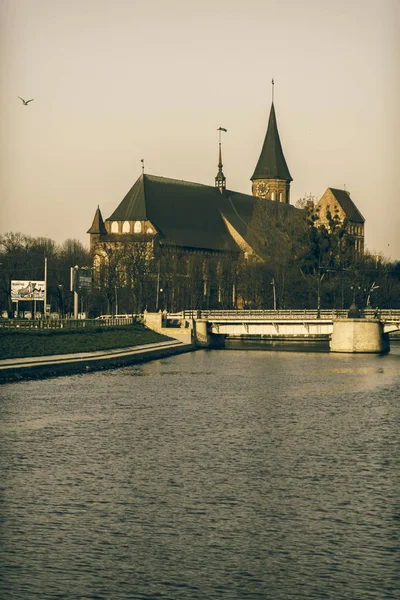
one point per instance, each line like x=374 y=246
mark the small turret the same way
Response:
x=97 y=229
x=220 y=179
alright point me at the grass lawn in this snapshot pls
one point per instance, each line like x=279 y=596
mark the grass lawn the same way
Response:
x=19 y=344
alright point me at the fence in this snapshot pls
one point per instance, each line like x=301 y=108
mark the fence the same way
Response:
x=67 y=324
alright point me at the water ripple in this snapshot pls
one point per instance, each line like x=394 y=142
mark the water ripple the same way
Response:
x=234 y=475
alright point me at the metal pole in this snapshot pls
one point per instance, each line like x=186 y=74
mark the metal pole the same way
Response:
x=158 y=286
x=274 y=291
x=45 y=288
x=319 y=296
x=76 y=305
x=73 y=286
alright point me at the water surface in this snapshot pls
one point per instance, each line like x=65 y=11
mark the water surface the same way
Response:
x=215 y=474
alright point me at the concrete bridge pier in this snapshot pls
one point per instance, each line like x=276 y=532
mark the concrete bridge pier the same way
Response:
x=359 y=336
x=201 y=334
x=203 y=338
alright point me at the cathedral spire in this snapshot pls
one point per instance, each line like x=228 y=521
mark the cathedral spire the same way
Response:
x=272 y=163
x=271 y=178
x=220 y=180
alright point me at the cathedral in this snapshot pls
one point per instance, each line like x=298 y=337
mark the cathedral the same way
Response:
x=196 y=217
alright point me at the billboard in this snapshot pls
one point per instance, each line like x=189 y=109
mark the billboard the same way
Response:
x=27 y=290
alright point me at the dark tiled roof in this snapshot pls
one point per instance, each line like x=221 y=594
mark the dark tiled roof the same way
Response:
x=185 y=214
x=189 y=214
x=133 y=206
x=98 y=224
x=272 y=163
x=352 y=212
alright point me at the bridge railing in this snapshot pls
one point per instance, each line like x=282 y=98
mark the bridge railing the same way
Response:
x=325 y=314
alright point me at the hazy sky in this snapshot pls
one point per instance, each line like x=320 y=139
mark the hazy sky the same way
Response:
x=116 y=81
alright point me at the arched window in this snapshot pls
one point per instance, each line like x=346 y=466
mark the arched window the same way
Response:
x=272 y=195
x=137 y=227
x=280 y=197
x=114 y=227
x=149 y=230
x=126 y=227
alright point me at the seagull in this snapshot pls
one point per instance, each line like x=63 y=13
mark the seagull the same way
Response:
x=25 y=102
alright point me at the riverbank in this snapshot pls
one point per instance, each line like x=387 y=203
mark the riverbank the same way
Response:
x=43 y=367
x=41 y=342
x=38 y=354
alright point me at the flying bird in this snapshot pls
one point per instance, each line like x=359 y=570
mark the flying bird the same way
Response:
x=25 y=102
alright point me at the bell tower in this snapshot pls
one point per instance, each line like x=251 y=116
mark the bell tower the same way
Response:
x=271 y=178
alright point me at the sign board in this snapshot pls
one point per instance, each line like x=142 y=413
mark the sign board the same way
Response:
x=27 y=290
x=81 y=279
x=84 y=281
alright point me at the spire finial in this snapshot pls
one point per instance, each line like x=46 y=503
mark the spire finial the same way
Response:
x=220 y=180
x=272 y=84
x=142 y=161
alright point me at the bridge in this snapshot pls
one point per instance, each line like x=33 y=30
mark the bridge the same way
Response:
x=216 y=327
x=280 y=322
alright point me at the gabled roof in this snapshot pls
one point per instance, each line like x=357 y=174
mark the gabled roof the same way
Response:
x=347 y=204
x=133 y=206
x=184 y=213
x=98 y=224
x=272 y=163
x=190 y=215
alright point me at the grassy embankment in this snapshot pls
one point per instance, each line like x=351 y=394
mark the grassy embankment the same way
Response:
x=19 y=344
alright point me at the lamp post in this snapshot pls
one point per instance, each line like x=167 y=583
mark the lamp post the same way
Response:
x=74 y=289
x=45 y=290
x=274 y=291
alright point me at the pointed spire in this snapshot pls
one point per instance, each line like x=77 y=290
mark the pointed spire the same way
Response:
x=220 y=180
x=98 y=224
x=272 y=163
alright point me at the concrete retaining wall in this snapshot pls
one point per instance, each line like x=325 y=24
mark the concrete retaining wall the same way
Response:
x=157 y=322
x=41 y=367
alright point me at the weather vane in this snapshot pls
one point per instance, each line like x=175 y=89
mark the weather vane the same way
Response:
x=221 y=129
x=142 y=161
x=273 y=83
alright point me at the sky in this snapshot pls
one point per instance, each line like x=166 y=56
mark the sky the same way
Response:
x=115 y=82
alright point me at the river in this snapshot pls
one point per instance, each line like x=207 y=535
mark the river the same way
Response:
x=215 y=474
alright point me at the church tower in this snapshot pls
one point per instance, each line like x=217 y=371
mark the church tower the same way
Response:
x=271 y=178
